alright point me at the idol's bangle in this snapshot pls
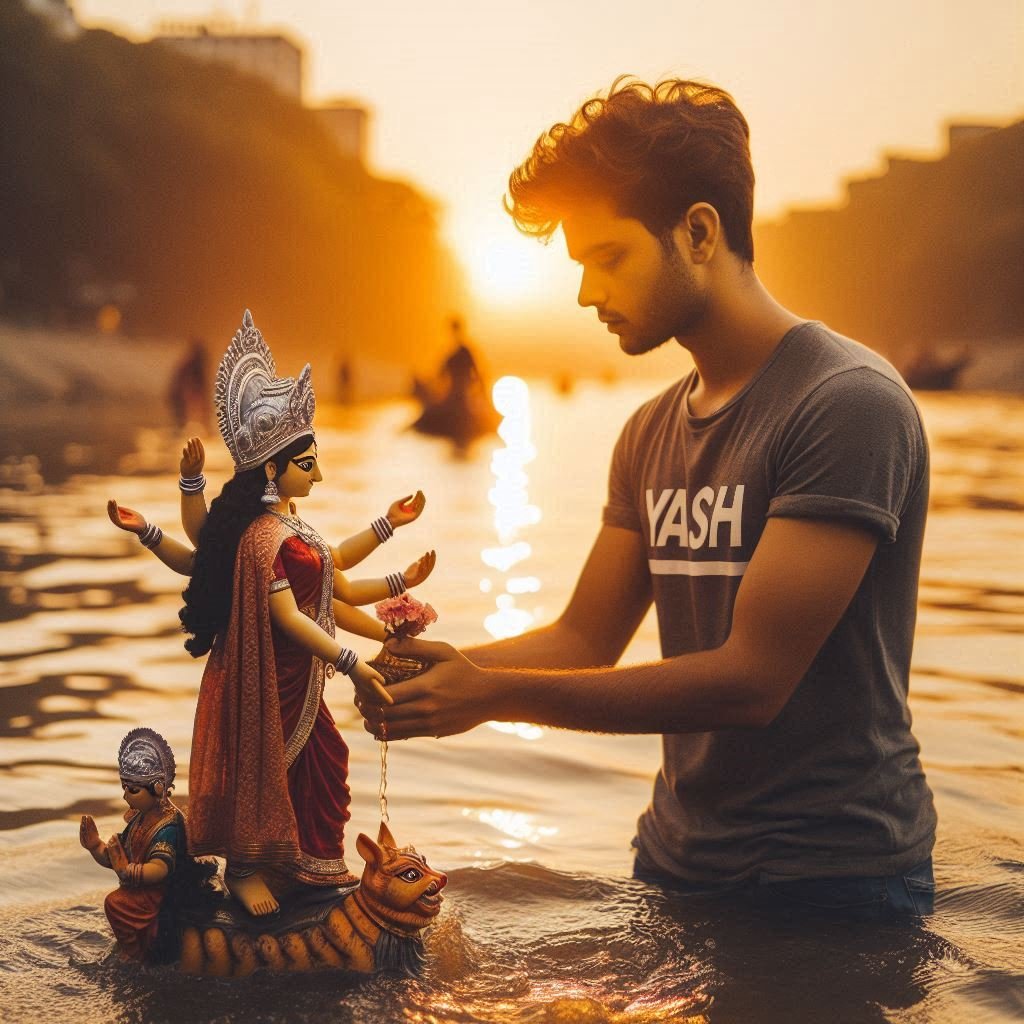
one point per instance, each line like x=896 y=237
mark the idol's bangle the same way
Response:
x=396 y=583
x=151 y=536
x=192 y=484
x=382 y=527
x=346 y=660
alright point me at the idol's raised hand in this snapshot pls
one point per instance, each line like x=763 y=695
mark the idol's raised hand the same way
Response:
x=125 y=518
x=420 y=569
x=118 y=858
x=88 y=835
x=193 y=458
x=406 y=510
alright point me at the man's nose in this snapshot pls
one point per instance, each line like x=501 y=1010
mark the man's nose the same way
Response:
x=589 y=293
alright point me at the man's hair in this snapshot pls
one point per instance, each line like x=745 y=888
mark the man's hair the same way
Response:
x=652 y=151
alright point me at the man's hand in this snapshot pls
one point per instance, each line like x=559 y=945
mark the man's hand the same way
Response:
x=406 y=510
x=420 y=569
x=452 y=696
x=369 y=684
x=126 y=518
x=193 y=457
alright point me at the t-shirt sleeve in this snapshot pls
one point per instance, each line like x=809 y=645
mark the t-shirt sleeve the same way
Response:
x=621 y=508
x=855 y=450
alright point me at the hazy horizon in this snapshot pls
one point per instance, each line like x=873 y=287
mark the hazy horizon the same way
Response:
x=458 y=93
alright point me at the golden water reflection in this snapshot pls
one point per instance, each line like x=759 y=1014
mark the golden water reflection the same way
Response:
x=518 y=828
x=513 y=513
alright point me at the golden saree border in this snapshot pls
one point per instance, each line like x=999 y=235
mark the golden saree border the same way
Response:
x=324 y=616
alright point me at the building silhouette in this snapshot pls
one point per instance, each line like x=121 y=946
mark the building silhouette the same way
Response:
x=271 y=56
x=925 y=258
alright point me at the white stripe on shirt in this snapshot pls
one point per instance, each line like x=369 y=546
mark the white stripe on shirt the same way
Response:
x=670 y=567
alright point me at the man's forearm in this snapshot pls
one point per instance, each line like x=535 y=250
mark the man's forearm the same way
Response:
x=550 y=647
x=698 y=692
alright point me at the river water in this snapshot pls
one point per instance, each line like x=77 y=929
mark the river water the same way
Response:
x=542 y=922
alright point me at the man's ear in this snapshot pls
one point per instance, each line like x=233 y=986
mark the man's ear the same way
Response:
x=701 y=231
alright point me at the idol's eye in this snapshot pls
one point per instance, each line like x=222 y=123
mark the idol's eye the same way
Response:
x=305 y=464
x=411 y=875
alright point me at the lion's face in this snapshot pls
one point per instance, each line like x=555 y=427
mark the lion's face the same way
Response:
x=400 y=882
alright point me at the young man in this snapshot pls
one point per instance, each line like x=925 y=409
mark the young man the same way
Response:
x=771 y=504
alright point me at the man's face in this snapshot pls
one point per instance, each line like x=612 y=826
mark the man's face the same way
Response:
x=300 y=474
x=644 y=290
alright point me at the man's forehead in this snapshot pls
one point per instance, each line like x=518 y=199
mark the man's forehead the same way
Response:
x=594 y=226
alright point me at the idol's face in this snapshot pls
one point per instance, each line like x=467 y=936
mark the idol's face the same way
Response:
x=138 y=797
x=642 y=287
x=300 y=474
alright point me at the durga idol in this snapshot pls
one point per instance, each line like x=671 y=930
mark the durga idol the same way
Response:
x=268 y=770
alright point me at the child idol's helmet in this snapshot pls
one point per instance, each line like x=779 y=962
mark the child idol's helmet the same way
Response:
x=257 y=413
x=145 y=758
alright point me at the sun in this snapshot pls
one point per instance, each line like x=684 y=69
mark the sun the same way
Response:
x=506 y=270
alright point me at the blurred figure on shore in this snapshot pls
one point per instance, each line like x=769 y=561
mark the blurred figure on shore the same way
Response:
x=457 y=406
x=188 y=391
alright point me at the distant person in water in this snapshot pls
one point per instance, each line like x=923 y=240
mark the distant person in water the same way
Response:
x=188 y=391
x=770 y=504
x=460 y=409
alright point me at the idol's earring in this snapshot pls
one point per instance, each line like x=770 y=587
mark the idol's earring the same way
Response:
x=270 y=495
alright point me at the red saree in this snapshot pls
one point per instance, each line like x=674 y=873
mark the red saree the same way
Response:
x=267 y=779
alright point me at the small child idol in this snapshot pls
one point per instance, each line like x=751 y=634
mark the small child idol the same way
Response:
x=146 y=855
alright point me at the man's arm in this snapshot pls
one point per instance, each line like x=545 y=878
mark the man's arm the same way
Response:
x=611 y=598
x=798 y=584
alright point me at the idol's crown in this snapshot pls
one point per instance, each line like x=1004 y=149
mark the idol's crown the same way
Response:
x=259 y=414
x=145 y=757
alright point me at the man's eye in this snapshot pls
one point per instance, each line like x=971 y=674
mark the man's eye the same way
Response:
x=410 y=875
x=612 y=262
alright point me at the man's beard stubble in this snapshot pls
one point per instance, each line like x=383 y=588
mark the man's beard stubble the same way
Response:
x=677 y=306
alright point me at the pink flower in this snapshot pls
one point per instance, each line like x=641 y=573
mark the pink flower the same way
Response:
x=404 y=616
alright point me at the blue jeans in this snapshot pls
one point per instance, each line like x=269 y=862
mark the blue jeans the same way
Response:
x=909 y=894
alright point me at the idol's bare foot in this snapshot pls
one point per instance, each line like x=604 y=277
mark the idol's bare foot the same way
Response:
x=252 y=892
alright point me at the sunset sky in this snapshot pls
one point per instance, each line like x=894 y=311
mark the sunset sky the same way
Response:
x=461 y=88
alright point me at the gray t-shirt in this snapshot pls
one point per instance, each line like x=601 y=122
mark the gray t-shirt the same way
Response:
x=833 y=786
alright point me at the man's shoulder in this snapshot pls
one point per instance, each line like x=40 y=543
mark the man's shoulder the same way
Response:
x=819 y=356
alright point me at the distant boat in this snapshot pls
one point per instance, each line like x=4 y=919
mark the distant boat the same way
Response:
x=460 y=416
x=930 y=371
x=456 y=406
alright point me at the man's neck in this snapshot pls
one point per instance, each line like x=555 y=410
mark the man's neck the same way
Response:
x=743 y=326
